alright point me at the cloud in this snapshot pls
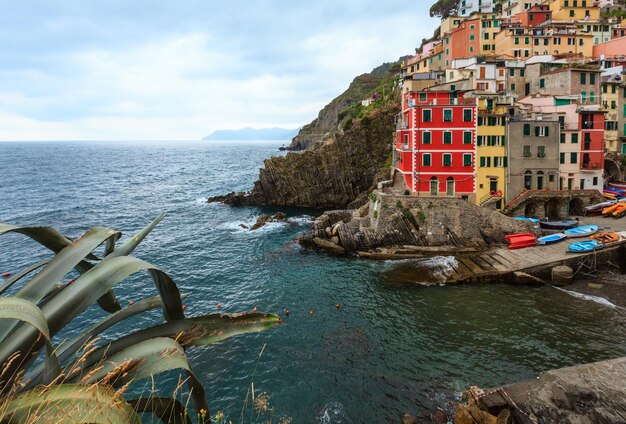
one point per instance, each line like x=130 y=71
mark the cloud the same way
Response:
x=179 y=70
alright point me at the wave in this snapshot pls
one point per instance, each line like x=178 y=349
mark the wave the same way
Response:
x=332 y=413
x=596 y=299
x=236 y=226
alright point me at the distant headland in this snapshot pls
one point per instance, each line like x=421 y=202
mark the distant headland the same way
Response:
x=254 y=134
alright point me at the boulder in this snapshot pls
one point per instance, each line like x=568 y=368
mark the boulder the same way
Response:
x=264 y=219
x=329 y=246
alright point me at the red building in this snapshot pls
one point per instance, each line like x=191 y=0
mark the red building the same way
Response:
x=436 y=143
x=536 y=15
x=591 y=124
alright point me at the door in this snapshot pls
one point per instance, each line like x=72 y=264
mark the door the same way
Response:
x=493 y=186
x=450 y=186
x=433 y=186
x=582 y=184
x=539 y=181
x=570 y=183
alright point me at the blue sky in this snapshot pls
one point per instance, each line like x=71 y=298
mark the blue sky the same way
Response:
x=167 y=70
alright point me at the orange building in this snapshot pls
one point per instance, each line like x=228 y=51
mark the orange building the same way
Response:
x=462 y=43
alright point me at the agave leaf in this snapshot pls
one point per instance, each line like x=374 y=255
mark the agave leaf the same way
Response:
x=68 y=348
x=168 y=410
x=129 y=245
x=46 y=236
x=147 y=358
x=59 y=266
x=196 y=331
x=21 y=274
x=79 y=295
x=63 y=402
x=25 y=311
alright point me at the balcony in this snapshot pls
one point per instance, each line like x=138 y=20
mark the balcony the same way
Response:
x=588 y=166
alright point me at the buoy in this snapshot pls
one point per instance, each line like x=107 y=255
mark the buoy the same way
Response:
x=184 y=306
x=6 y=274
x=131 y=302
x=337 y=306
x=492 y=193
x=311 y=312
x=287 y=312
x=219 y=306
x=254 y=309
x=499 y=193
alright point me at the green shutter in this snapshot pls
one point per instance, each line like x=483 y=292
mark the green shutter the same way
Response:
x=536 y=131
x=482 y=162
x=488 y=161
x=503 y=140
x=527 y=127
x=562 y=158
x=547 y=131
x=575 y=138
x=467 y=137
x=506 y=161
x=447 y=137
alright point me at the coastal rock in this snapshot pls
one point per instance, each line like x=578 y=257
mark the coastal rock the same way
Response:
x=591 y=393
x=331 y=176
x=264 y=219
x=329 y=246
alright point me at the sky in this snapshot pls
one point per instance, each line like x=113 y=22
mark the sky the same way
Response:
x=179 y=70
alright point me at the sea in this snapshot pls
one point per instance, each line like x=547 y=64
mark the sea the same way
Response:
x=359 y=344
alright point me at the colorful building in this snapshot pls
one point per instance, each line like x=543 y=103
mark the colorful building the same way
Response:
x=574 y=10
x=610 y=101
x=468 y=7
x=491 y=153
x=436 y=143
x=591 y=124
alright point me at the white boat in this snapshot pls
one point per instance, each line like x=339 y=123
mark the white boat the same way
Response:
x=584 y=231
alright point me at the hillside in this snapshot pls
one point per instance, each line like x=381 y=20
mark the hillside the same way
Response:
x=381 y=81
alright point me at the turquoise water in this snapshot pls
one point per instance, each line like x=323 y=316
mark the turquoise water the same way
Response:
x=390 y=348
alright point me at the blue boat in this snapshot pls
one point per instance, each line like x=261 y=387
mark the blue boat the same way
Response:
x=523 y=218
x=585 y=246
x=552 y=238
x=584 y=231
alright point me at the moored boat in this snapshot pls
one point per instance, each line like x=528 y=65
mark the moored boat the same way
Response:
x=524 y=218
x=606 y=238
x=565 y=224
x=598 y=207
x=585 y=246
x=521 y=240
x=552 y=238
x=584 y=231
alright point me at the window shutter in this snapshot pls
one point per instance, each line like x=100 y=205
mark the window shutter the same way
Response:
x=547 y=131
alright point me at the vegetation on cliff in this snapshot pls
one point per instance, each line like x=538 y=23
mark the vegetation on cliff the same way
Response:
x=378 y=83
x=444 y=8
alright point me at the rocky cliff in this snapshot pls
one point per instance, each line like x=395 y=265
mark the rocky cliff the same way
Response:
x=329 y=176
x=322 y=129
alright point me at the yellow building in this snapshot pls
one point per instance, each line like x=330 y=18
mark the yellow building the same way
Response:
x=610 y=101
x=489 y=27
x=491 y=155
x=553 y=39
x=574 y=10
x=450 y=23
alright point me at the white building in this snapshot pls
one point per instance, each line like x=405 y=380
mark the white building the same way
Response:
x=467 y=7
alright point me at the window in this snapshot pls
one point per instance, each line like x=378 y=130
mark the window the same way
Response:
x=498 y=161
x=562 y=138
x=512 y=72
x=528 y=180
x=562 y=158
x=467 y=159
x=526 y=151
x=447 y=159
x=467 y=115
x=595 y=181
x=467 y=137
x=516 y=40
x=583 y=96
x=604 y=88
x=426 y=159
x=482 y=162
x=592 y=97
x=542 y=131
x=447 y=137
x=406 y=141
x=541 y=151
x=574 y=138
x=526 y=40
x=583 y=78
x=427 y=115
x=571 y=13
x=624 y=112
x=522 y=72
x=512 y=87
x=573 y=157
x=447 y=115
x=542 y=83
x=426 y=137
x=526 y=129
x=422 y=97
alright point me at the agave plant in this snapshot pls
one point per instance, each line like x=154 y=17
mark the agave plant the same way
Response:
x=84 y=378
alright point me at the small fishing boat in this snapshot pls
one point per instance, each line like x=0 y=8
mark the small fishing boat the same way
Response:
x=620 y=210
x=584 y=231
x=565 y=224
x=585 y=246
x=606 y=238
x=523 y=218
x=552 y=238
x=521 y=240
x=609 y=196
x=619 y=185
x=598 y=208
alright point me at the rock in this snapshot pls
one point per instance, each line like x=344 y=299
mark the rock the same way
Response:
x=472 y=414
x=335 y=240
x=264 y=219
x=335 y=230
x=329 y=246
x=331 y=176
x=244 y=226
x=562 y=275
x=329 y=232
x=527 y=279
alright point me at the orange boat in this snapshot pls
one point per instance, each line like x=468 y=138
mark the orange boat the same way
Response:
x=620 y=210
x=610 y=209
x=606 y=238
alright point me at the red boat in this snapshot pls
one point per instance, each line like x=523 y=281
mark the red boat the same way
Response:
x=521 y=240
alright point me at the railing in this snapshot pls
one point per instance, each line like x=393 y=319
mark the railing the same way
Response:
x=489 y=197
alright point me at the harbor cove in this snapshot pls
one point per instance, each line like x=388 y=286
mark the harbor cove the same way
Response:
x=290 y=212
